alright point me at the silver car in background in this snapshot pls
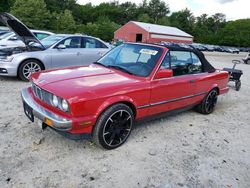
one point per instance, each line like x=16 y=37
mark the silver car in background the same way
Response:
x=52 y=52
x=11 y=40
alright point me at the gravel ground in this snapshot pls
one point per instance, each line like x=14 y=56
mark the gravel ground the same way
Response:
x=184 y=150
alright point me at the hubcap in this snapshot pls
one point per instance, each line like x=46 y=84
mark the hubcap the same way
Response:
x=117 y=128
x=29 y=68
x=211 y=101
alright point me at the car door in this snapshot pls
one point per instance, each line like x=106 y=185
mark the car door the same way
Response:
x=66 y=53
x=174 y=92
x=201 y=79
x=92 y=50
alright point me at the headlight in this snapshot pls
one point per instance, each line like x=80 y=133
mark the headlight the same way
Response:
x=55 y=101
x=65 y=106
x=8 y=59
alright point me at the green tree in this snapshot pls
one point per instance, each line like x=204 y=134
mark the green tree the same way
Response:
x=5 y=5
x=104 y=28
x=129 y=12
x=32 y=12
x=60 y=5
x=145 y=18
x=219 y=20
x=84 y=13
x=235 y=33
x=157 y=9
x=184 y=20
x=65 y=22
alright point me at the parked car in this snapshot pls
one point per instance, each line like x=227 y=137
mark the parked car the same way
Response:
x=2 y=32
x=209 y=48
x=11 y=40
x=197 y=47
x=55 y=51
x=133 y=81
x=234 y=50
x=183 y=45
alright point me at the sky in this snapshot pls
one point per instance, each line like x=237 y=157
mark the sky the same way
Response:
x=233 y=9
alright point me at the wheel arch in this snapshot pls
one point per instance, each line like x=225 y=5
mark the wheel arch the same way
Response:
x=43 y=66
x=112 y=101
x=215 y=86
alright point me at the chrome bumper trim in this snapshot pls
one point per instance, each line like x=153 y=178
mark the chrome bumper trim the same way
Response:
x=41 y=113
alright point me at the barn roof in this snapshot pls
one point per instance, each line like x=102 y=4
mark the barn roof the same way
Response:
x=161 y=29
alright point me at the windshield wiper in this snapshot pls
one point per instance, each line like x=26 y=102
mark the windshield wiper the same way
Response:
x=98 y=63
x=120 y=68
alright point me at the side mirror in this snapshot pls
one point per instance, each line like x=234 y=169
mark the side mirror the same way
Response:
x=61 y=46
x=13 y=38
x=163 y=73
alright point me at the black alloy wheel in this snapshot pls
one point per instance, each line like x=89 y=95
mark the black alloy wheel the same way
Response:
x=209 y=102
x=114 y=126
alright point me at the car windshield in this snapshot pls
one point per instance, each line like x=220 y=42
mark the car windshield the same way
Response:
x=133 y=59
x=49 y=41
x=6 y=35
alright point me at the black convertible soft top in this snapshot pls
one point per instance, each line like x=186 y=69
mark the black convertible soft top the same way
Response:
x=207 y=67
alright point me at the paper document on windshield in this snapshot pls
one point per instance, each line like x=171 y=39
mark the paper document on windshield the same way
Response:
x=148 y=51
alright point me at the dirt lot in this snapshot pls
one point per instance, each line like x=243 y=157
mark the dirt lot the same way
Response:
x=185 y=150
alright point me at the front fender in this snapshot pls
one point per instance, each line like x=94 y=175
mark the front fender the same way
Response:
x=114 y=100
x=40 y=56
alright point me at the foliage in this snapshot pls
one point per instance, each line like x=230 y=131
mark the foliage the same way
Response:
x=32 y=12
x=103 y=28
x=66 y=16
x=65 y=22
x=184 y=20
x=157 y=9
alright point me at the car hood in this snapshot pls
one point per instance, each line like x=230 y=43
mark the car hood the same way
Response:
x=83 y=82
x=19 y=29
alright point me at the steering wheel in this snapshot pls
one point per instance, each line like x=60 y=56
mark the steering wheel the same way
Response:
x=236 y=61
x=145 y=69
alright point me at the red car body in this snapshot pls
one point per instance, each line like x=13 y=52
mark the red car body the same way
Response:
x=92 y=89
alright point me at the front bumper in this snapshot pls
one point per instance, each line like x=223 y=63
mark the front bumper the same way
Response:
x=8 y=69
x=59 y=123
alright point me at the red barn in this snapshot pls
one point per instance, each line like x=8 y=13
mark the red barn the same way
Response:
x=151 y=33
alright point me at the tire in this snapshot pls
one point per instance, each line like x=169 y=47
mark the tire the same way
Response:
x=208 y=103
x=27 y=68
x=113 y=127
x=238 y=85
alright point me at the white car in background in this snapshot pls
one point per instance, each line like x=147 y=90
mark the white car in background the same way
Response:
x=55 y=51
x=10 y=39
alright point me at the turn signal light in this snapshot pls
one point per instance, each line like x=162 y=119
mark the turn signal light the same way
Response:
x=48 y=122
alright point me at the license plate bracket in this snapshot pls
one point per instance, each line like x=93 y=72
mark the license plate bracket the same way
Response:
x=28 y=111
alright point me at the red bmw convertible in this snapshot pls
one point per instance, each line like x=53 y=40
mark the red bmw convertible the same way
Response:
x=133 y=81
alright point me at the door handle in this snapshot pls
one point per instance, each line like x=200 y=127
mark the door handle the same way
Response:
x=100 y=53
x=192 y=81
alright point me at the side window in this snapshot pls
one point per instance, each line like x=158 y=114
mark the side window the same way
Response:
x=183 y=63
x=166 y=62
x=71 y=42
x=92 y=43
x=180 y=62
x=99 y=44
x=196 y=66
